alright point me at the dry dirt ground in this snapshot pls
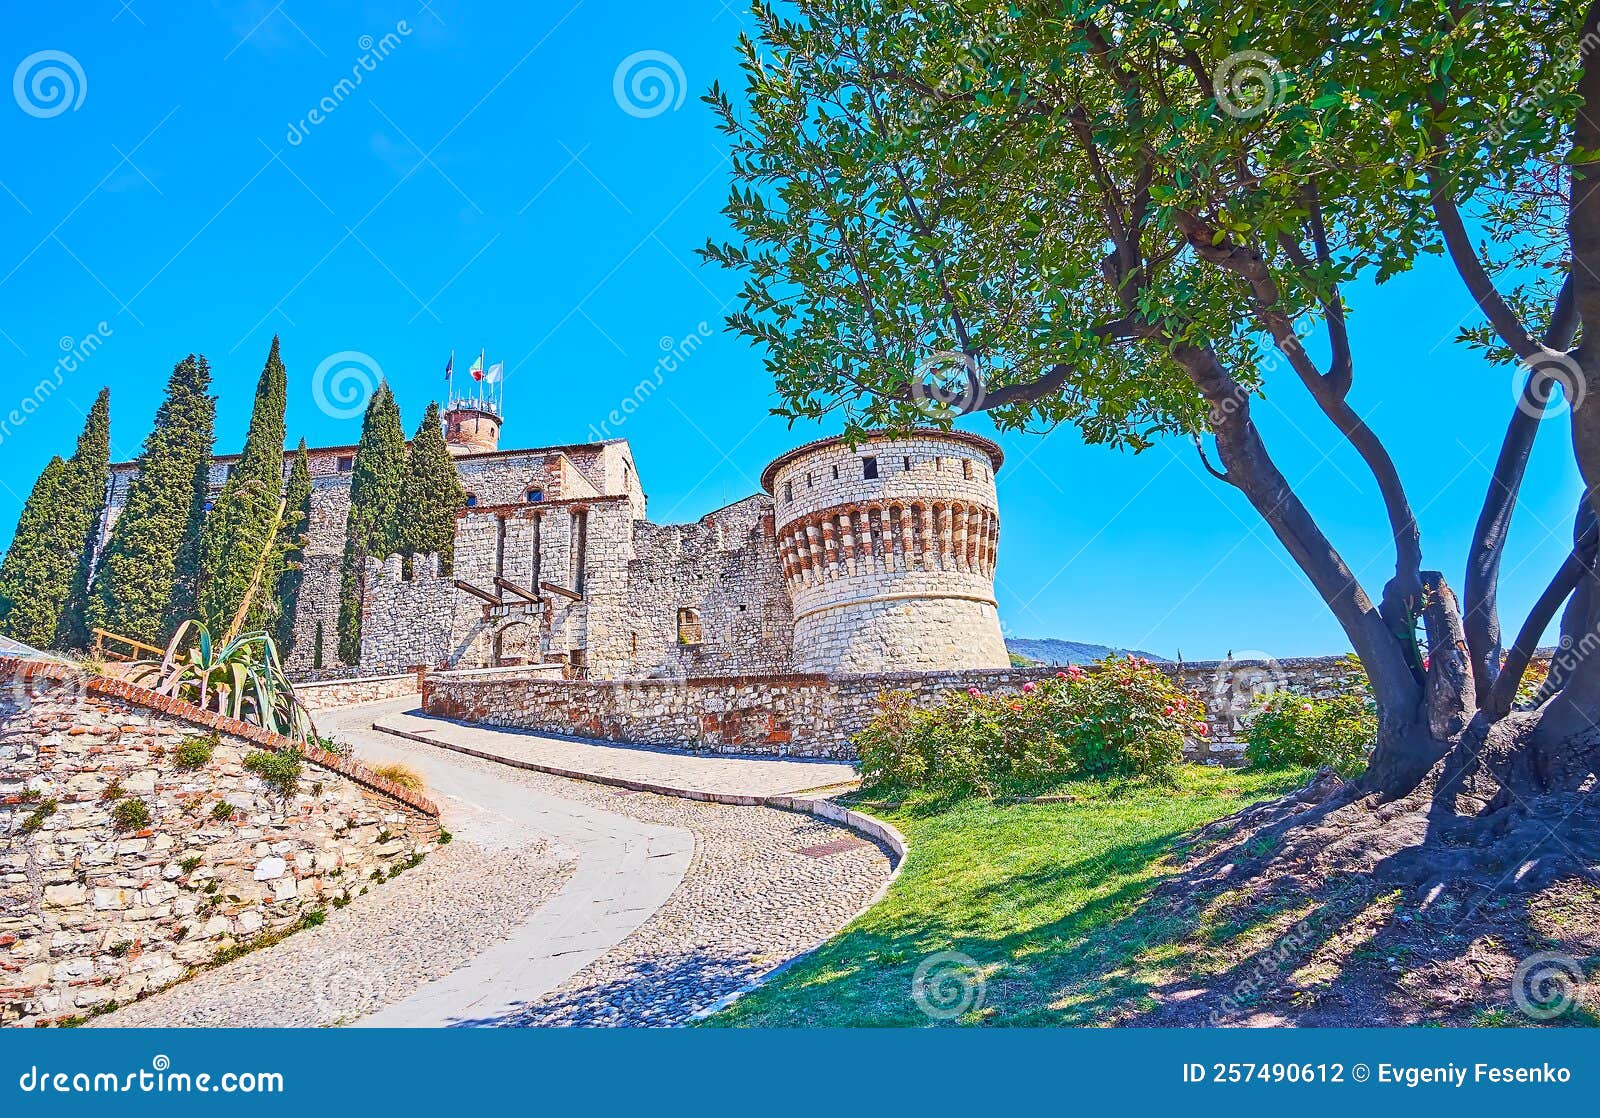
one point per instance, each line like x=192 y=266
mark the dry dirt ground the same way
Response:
x=1313 y=913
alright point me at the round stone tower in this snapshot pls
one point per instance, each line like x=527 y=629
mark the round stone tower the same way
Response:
x=472 y=427
x=888 y=552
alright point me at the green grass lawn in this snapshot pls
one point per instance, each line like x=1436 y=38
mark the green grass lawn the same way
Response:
x=1045 y=898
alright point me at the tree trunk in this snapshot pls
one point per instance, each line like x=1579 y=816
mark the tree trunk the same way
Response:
x=1405 y=748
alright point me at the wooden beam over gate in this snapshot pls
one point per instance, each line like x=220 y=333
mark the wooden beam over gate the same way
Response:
x=484 y=595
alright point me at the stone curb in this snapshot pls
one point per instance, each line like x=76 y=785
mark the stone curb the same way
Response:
x=857 y=821
x=198 y=716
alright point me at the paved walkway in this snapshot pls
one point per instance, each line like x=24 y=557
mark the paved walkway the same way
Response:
x=626 y=870
x=629 y=766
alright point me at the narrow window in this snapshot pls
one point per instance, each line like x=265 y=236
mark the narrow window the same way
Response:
x=905 y=463
x=836 y=473
x=580 y=545
x=788 y=491
x=808 y=481
x=316 y=649
x=538 y=522
x=347 y=463
x=869 y=468
x=966 y=468
x=500 y=546
x=633 y=641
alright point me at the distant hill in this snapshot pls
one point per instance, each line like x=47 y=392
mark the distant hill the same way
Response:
x=1049 y=650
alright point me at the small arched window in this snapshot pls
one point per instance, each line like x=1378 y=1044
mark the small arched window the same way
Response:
x=472 y=500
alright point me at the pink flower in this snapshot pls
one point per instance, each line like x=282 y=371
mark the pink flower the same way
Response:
x=1202 y=729
x=974 y=692
x=1061 y=675
x=1029 y=688
x=1167 y=712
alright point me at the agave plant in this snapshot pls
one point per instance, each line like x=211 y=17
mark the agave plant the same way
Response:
x=240 y=677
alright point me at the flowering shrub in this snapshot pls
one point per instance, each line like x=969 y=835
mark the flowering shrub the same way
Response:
x=1290 y=729
x=1119 y=718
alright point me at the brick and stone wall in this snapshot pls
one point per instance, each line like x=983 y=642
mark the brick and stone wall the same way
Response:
x=336 y=693
x=91 y=914
x=815 y=715
x=888 y=552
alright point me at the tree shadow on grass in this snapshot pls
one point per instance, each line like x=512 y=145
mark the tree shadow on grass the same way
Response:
x=1263 y=922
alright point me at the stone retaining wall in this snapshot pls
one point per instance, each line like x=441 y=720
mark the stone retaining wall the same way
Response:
x=816 y=715
x=93 y=913
x=337 y=693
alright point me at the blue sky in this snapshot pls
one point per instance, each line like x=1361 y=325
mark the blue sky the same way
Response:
x=484 y=186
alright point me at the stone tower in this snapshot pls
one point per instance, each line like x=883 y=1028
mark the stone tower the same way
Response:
x=472 y=426
x=888 y=552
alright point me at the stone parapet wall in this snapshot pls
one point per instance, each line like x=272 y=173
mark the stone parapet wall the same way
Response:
x=92 y=913
x=337 y=693
x=816 y=715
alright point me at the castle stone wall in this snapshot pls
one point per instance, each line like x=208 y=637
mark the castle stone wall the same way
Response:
x=814 y=715
x=724 y=569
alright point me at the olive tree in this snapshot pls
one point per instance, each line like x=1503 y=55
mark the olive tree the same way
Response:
x=1128 y=216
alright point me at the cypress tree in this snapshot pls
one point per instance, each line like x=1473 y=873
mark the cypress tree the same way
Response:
x=91 y=478
x=146 y=578
x=40 y=581
x=371 y=530
x=239 y=528
x=431 y=496
x=292 y=539
x=27 y=613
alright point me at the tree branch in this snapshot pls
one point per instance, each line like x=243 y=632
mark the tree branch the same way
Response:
x=1574 y=568
x=1482 y=617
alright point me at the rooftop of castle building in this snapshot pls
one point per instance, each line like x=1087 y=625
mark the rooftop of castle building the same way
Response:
x=324 y=451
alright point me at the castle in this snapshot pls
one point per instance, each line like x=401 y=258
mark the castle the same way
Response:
x=873 y=558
